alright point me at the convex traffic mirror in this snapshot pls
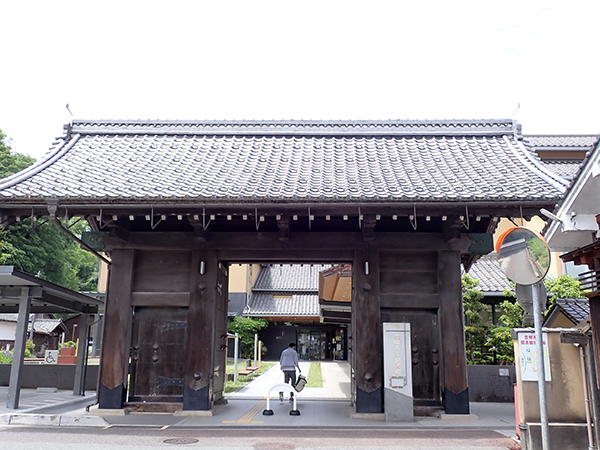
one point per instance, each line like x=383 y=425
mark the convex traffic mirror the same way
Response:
x=524 y=255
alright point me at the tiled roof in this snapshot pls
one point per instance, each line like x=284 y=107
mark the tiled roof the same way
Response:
x=289 y=278
x=9 y=317
x=286 y=290
x=42 y=326
x=563 y=141
x=272 y=304
x=491 y=278
x=46 y=326
x=576 y=309
x=564 y=168
x=105 y=162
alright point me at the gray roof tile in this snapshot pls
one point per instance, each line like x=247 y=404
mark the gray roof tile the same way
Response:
x=269 y=304
x=289 y=277
x=491 y=278
x=576 y=309
x=42 y=326
x=281 y=161
x=565 y=168
x=562 y=141
x=287 y=290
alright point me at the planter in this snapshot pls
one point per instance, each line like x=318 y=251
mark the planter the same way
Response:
x=67 y=356
x=68 y=351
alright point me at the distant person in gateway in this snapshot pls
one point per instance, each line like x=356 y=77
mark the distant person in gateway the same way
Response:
x=288 y=363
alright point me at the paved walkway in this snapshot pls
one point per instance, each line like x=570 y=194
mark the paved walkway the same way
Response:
x=336 y=383
x=43 y=400
x=327 y=407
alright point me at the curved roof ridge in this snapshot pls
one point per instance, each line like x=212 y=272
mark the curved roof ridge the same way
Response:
x=318 y=127
x=560 y=183
x=30 y=171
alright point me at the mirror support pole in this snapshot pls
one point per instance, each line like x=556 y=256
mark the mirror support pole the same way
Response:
x=537 y=321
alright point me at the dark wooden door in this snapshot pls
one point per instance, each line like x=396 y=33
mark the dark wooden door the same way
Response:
x=158 y=354
x=426 y=353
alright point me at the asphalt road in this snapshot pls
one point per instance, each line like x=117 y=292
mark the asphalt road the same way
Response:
x=127 y=438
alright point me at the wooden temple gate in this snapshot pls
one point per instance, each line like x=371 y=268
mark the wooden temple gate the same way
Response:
x=174 y=203
x=171 y=304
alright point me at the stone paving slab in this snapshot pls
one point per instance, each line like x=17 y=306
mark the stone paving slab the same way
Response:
x=320 y=408
x=32 y=400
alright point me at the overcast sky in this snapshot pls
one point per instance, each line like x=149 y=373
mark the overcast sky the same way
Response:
x=298 y=60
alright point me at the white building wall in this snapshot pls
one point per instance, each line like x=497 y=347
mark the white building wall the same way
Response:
x=8 y=331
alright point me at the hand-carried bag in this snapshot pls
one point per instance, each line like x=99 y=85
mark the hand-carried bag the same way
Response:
x=300 y=383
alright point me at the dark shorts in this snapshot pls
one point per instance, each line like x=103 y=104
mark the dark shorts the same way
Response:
x=289 y=375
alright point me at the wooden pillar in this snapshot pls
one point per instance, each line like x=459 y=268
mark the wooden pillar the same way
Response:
x=83 y=335
x=201 y=328
x=456 y=392
x=117 y=335
x=14 y=384
x=220 y=335
x=368 y=339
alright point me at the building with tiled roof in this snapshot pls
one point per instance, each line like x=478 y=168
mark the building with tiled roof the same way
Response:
x=289 y=277
x=220 y=163
x=46 y=332
x=287 y=295
x=42 y=326
x=568 y=313
x=562 y=154
x=286 y=292
x=176 y=202
x=492 y=281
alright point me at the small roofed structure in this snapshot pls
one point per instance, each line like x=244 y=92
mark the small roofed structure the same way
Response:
x=23 y=293
x=568 y=313
x=46 y=332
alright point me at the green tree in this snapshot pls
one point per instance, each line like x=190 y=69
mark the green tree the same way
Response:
x=561 y=287
x=11 y=162
x=246 y=328
x=500 y=341
x=29 y=349
x=41 y=248
x=513 y=314
x=46 y=251
x=476 y=328
x=564 y=286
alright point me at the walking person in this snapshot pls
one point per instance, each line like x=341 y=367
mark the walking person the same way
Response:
x=288 y=363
